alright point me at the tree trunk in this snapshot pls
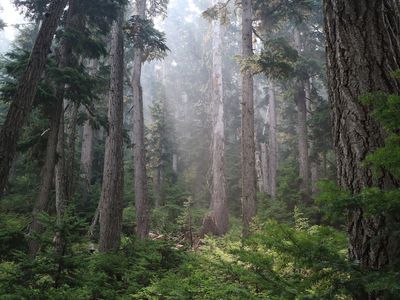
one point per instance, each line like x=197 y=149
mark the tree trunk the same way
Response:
x=265 y=168
x=302 y=130
x=272 y=141
x=70 y=141
x=247 y=111
x=47 y=176
x=86 y=159
x=139 y=151
x=54 y=166
x=363 y=48
x=219 y=216
x=111 y=205
x=259 y=171
x=22 y=101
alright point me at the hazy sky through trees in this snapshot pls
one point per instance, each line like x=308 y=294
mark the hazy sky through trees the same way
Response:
x=11 y=17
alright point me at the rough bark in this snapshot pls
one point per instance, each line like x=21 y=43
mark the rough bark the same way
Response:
x=247 y=128
x=139 y=151
x=302 y=130
x=111 y=205
x=272 y=142
x=70 y=141
x=363 y=48
x=22 y=101
x=219 y=209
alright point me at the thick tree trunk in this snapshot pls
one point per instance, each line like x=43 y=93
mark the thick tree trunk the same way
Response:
x=219 y=216
x=111 y=205
x=272 y=142
x=363 y=48
x=247 y=111
x=139 y=151
x=22 y=102
x=70 y=141
x=302 y=130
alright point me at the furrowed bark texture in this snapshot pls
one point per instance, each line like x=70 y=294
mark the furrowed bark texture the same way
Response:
x=139 y=151
x=112 y=188
x=22 y=102
x=247 y=130
x=363 y=48
x=218 y=216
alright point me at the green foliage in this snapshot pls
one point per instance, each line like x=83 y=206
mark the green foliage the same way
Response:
x=144 y=36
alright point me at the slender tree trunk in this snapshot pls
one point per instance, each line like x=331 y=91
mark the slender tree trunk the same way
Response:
x=259 y=171
x=302 y=130
x=265 y=168
x=272 y=141
x=218 y=217
x=139 y=151
x=86 y=159
x=22 y=101
x=247 y=139
x=363 y=48
x=111 y=205
x=47 y=176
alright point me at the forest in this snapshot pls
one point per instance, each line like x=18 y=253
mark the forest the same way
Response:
x=200 y=149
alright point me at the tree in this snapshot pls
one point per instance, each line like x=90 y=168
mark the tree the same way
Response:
x=112 y=188
x=362 y=51
x=272 y=141
x=217 y=221
x=24 y=96
x=139 y=151
x=247 y=138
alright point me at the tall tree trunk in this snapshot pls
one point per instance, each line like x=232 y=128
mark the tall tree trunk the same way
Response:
x=139 y=151
x=302 y=130
x=70 y=141
x=47 y=176
x=22 y=101
x=60 y=174
x=86 y=159
x=272 y=141
x=55 y=164
x=111 y=205
x=218 y=217
x=265 y=168
x=363 y=48
x=247 y=111
x=259 y=170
